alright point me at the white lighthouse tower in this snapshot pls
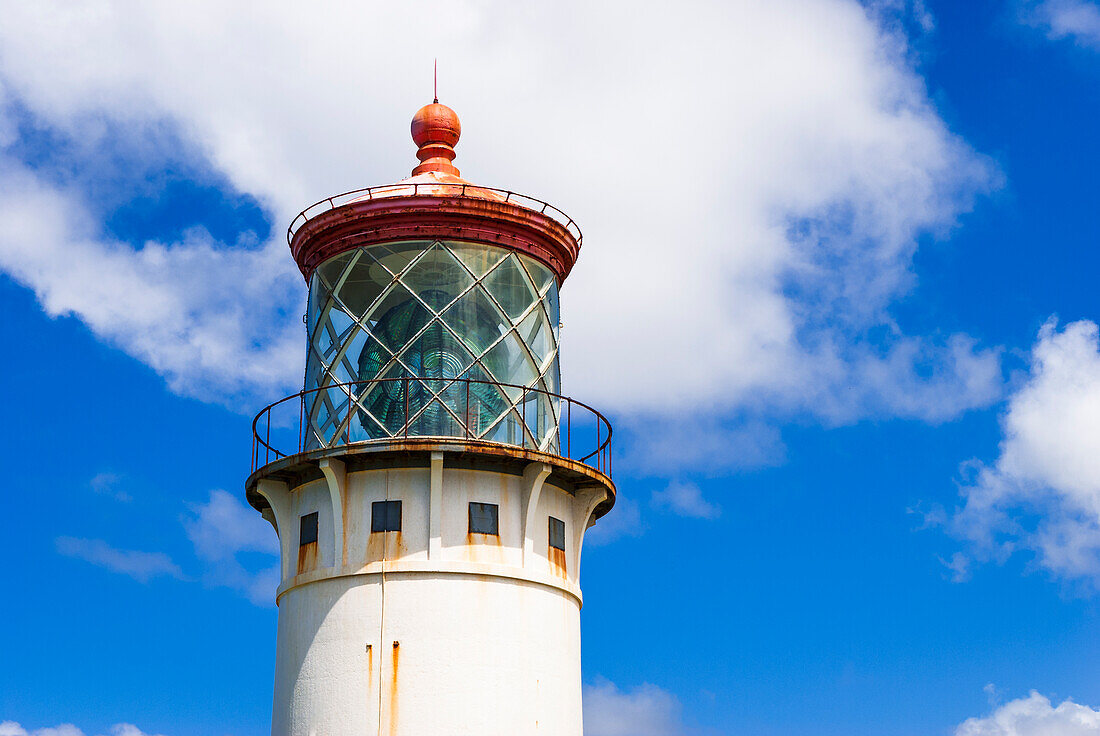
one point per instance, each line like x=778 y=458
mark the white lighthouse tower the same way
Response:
x=430 y=486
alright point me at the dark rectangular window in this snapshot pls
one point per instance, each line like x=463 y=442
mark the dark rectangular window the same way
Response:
x=557 y=533
x=385 y=516
x=484 y=518
x=307 y=533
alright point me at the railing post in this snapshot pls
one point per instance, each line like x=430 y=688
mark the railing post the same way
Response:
x=523 y=417
x=599 y=455
x=406 y=407
x=569 y=428
x=466 y=423
x=301 y=420
x=267 y=442
x=351 y=402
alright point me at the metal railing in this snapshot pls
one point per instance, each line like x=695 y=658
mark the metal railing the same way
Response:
x=432 y=189
x=575 y=430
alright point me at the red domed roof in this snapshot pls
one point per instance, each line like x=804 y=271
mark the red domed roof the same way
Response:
x=435 y=202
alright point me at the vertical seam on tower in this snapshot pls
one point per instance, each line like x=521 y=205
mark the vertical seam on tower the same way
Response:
x=382 y=616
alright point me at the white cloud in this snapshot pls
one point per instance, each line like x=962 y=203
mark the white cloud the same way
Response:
x=106 y=483
x=213 y=320
x=141 y=566
x=685 y=499
x=914 y=378
x=11 y=728
x=646 y=710
x=1034 y=716
x=220 y=530
x=1078 y=20
x=127 y=729
x=1043 y=491
x=743 y=247
x=897 y=13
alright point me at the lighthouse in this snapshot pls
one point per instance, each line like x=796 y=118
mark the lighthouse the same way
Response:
x=430 y=485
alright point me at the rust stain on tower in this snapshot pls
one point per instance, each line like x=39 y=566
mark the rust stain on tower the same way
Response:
x=307 y=557
x=557 y=562
x=394 y=659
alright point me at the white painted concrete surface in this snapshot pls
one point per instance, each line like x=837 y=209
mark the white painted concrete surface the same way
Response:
x=430 y=630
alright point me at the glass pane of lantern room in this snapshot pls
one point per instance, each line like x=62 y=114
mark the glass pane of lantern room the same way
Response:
x=535 y=331
x=386 y=403
x=506 y=429
x=480 y=259
x=550 y=303
x=395 y=257
x=540 y=274
x=510 y=287
x=435 y=421
x=546 y=428
x=393 y=322
x=330 y=271
x=437 y=278
x=318 y=295
x=486 y=402
x=373 y=359
x=474 y=318
x=345 y=369
x=436 y=354
x=362 y=284
x=508 y=362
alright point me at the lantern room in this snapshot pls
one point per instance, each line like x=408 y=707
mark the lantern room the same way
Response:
x=433 y=307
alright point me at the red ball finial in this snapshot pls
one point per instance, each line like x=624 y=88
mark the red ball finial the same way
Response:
x=435 y=130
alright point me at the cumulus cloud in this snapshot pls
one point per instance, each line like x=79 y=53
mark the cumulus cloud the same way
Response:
x=685 y=499
x=141 y=566
x=220 y=530
x=1043 y=491
x=742 y=251
x=646 y=710
x=212 y=319
x=1035 y=716
x=1078 y=20
x=11 y=728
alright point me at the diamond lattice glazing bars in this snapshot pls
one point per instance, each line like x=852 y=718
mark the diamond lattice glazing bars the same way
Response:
x=403 y=321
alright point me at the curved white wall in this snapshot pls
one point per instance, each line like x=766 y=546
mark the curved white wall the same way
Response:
x=430 y=630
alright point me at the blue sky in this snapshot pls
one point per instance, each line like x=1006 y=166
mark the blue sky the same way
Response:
x=836 y=293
